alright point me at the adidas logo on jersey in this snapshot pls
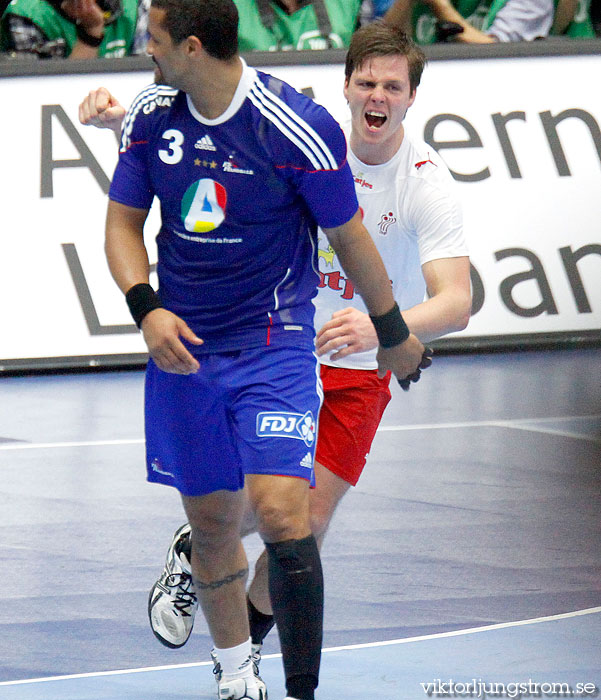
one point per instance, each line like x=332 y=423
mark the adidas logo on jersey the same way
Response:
x=205 y=144
x=307 y=461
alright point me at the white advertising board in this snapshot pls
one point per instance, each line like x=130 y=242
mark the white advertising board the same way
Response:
x=521 y=135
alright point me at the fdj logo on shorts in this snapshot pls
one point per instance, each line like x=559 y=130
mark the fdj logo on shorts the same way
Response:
x=300 y=426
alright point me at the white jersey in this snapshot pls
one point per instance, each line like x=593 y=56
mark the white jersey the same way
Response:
x=410 y=209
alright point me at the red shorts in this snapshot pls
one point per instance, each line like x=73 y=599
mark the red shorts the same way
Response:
x=353 y=404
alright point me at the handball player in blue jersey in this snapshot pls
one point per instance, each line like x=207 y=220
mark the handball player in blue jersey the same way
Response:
x=245 y=169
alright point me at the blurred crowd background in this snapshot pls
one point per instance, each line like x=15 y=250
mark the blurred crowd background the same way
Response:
x=80 y=29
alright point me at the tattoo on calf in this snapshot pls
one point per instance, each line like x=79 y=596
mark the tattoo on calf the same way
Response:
x=212 y=585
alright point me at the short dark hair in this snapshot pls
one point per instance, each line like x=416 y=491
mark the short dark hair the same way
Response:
x=382 y=39
x=214 y=22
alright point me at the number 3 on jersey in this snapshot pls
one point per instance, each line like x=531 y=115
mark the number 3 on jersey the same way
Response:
x=174 y=153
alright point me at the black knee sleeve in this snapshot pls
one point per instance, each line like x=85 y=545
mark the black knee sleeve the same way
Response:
x=296 y=592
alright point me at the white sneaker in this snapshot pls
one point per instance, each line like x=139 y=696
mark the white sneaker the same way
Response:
x=237 y=689
x=256 y=660
x=172 y=602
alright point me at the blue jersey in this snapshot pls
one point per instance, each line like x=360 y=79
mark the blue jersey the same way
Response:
x=241 y=197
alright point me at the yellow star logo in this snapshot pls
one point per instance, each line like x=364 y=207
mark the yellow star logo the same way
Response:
x=196 y=161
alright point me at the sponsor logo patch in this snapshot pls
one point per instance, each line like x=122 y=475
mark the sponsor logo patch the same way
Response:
x=159 y=101
x=203 y=206
x=299 y=426
x=328 y=255
x=360 y=181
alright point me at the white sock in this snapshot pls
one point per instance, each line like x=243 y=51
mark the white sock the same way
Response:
x=236 y=662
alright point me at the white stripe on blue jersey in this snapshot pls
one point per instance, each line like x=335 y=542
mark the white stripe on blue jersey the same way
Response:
x=292 y=126
x=311 y=134
x=148 y=95
x=277 y=288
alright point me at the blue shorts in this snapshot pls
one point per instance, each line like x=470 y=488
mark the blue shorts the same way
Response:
x=245 y=412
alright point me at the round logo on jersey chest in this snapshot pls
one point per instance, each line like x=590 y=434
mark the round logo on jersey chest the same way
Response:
x=203 y=206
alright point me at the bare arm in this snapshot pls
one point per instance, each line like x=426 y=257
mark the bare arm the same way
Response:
x=83 y=50
x=399 y=15
x=124 y=245
x=128 y=262
x=444 y=11
x=89 y=16
x=564 y=15
x=449 y=306
x=363 y=265
x=447 y=310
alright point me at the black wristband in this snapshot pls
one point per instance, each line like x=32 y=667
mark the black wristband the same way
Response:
x=142 y=299
x=88 y=39
x=391 y=328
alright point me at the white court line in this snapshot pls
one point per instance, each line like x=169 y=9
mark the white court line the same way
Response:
x=512 y=424
x=471 y=630
x=367 y=645
x=553 y=431
x=515 y=424
x=85 y=443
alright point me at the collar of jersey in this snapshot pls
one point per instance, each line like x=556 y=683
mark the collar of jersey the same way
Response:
x=354 y=161
x=246 y=80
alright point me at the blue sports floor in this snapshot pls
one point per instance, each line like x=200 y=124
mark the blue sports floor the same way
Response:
x=467 y=561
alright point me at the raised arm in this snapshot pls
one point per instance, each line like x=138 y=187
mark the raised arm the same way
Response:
x=102 y=110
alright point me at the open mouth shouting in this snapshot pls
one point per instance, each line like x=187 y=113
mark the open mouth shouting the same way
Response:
x=375 y=120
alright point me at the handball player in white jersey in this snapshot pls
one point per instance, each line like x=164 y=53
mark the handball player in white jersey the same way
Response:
x=407 y=198
x=405 y=193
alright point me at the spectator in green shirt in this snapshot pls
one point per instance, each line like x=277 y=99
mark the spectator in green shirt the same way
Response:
x=74 y=28
x=286 y=25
